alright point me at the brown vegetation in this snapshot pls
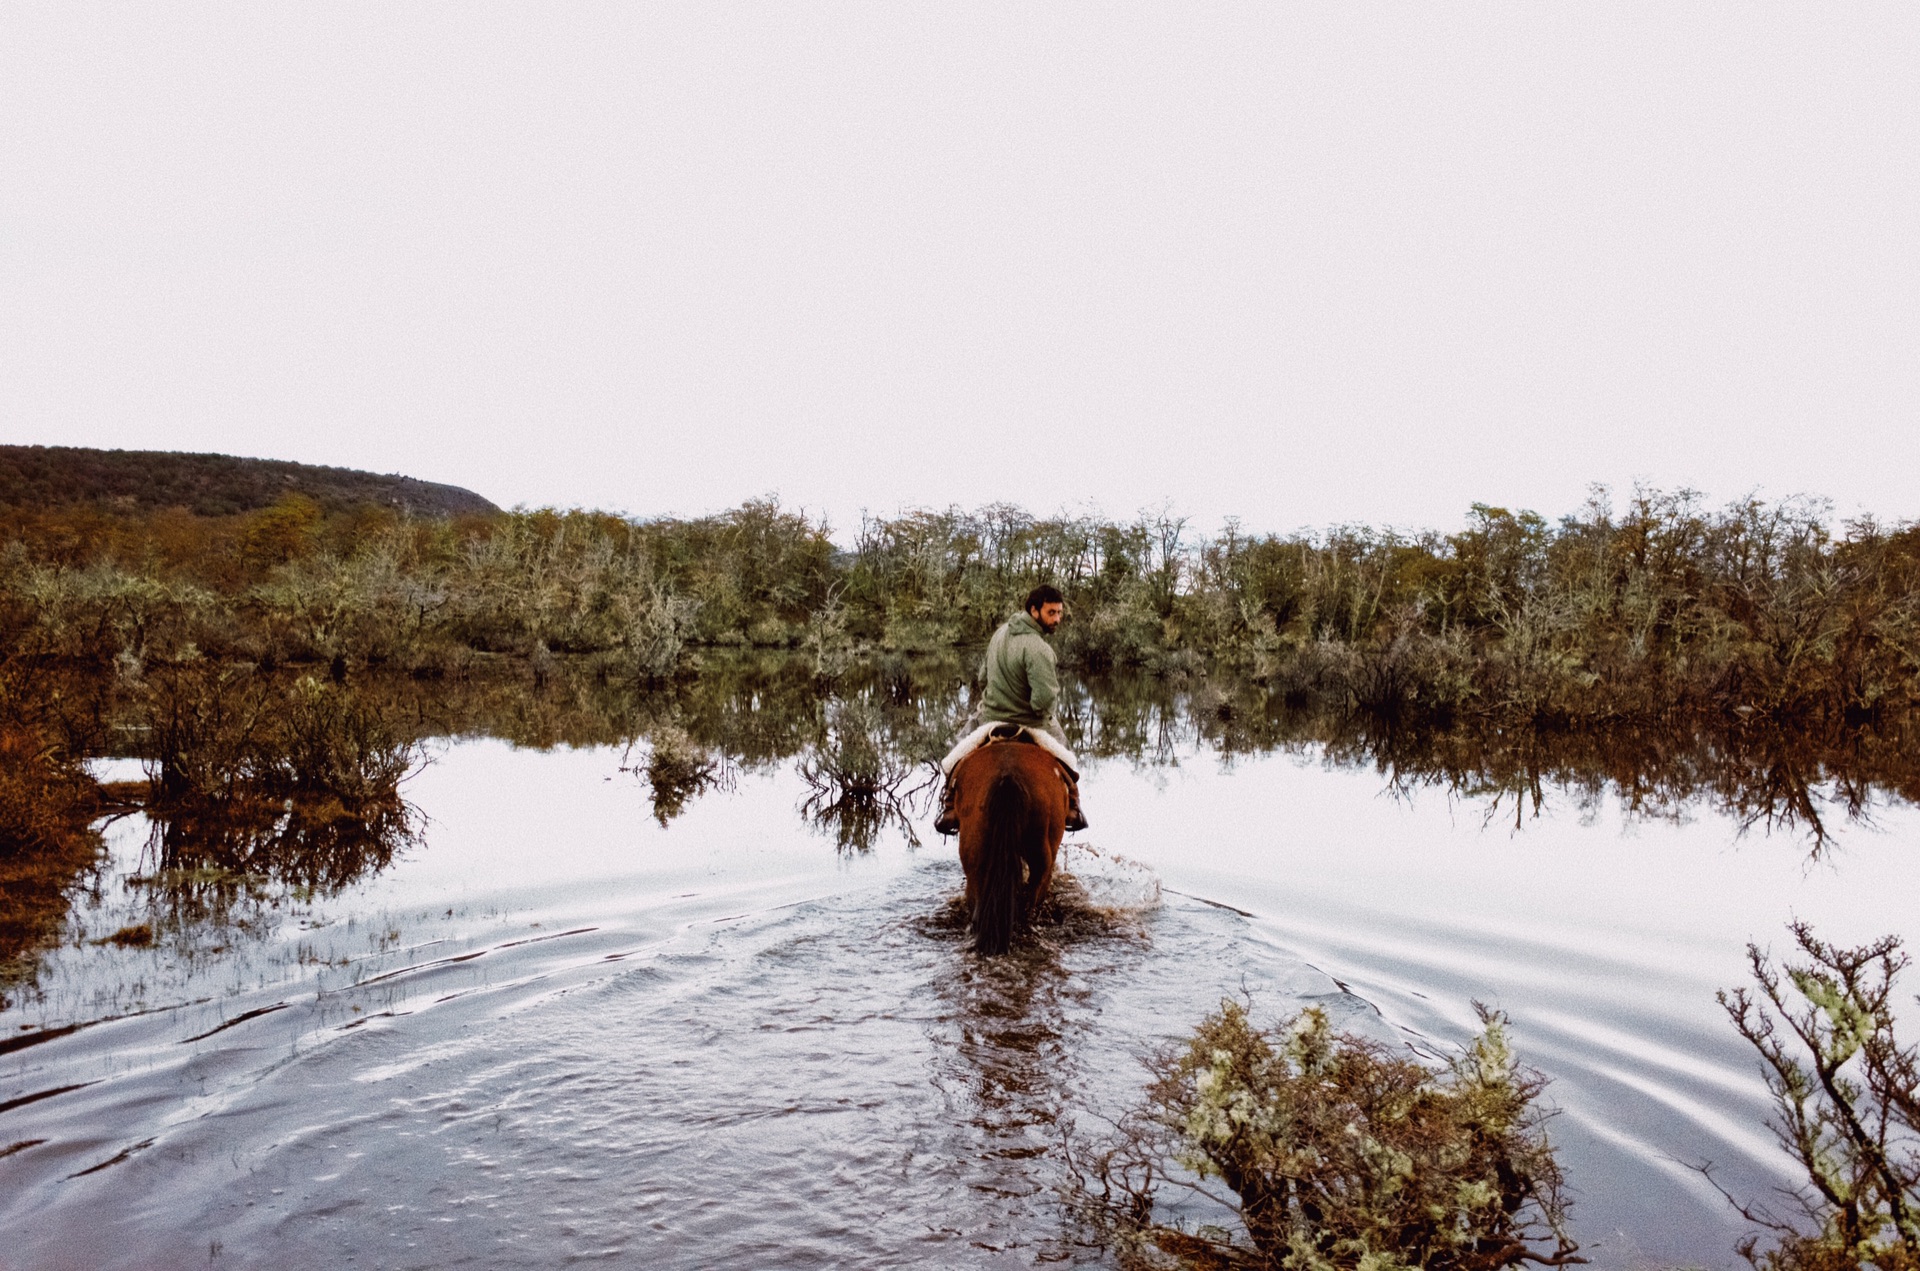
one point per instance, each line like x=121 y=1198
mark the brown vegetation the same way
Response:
x=296 y=782
x=47 y=804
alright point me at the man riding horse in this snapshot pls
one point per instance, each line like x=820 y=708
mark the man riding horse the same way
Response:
x=1022 y=686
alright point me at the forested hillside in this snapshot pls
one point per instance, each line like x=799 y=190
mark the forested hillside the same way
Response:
x=210 y=485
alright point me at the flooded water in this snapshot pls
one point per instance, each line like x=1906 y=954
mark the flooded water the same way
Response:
x=559 y=1027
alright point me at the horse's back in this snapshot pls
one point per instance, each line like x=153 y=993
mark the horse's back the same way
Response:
x=1036 y=772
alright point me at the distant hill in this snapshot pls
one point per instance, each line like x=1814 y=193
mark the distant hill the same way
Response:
x=210 y=485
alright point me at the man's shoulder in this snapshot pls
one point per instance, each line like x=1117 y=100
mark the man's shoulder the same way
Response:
x=1028 y=644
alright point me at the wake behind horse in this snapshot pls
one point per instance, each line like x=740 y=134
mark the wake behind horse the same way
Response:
x=1012 y=806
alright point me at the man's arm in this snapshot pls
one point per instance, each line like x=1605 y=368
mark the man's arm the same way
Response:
x=1043 y=681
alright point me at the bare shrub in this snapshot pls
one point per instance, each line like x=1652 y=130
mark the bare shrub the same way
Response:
x=656 y=634
x=203 y=725
x=1124 y=631
x=825 y=642
x=104 y=610
x=1846 y=1101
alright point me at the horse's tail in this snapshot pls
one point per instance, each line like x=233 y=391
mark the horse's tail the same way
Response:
x=1011 y=839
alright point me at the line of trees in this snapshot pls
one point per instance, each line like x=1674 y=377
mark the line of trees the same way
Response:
x=1664 y=606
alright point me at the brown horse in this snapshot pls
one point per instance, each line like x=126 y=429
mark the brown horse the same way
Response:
x=1012 y=803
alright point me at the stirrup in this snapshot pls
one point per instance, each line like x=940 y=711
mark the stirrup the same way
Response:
x=947 y=820
x=1076 y=819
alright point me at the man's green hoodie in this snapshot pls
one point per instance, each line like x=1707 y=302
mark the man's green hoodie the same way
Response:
x=1021 y=681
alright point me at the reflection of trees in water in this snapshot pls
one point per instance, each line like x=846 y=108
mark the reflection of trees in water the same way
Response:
x=852 y=739
x=1801 y=781
x=861 y=741
x=1795 y=777
x=861 y=776
x=676 y=770
x=315 y=844
x=864 y=747
x=763 y=711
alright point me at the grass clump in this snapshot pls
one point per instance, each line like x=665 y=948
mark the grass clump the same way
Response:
x=1334 y=1152
x=1846 y=1105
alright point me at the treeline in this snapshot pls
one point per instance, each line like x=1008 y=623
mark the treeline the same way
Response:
x=1663 y=607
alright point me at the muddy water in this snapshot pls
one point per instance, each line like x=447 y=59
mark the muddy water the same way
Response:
x=555 y=1031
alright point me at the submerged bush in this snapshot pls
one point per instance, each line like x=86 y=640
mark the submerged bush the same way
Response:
x=297 y=783
x=1334 y=1152
x=47 y=798
x=1846 y=1100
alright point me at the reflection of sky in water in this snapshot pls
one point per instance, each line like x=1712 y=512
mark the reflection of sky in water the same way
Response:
x=1604 y=942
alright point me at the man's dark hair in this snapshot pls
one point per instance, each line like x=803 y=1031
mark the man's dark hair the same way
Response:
x=1044 y=594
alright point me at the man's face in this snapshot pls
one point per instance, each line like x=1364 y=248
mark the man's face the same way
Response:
x=1048 y=616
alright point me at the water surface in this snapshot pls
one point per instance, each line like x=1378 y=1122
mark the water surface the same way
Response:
x=554 y=1028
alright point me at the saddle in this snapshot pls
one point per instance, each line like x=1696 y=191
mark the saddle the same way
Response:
x=1001 y=734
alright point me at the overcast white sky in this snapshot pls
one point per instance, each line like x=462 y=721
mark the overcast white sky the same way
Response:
x=1299 y=263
